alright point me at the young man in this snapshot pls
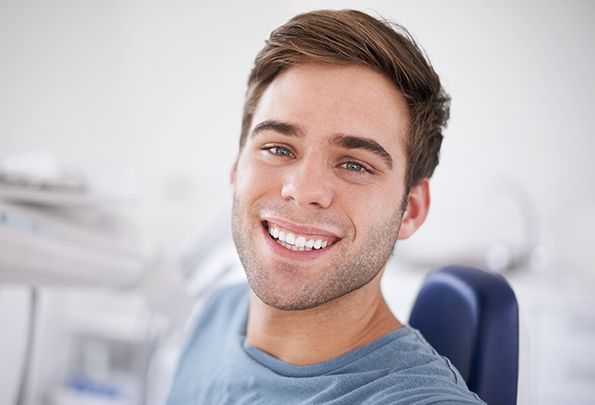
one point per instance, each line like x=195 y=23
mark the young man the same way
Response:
x=341 y=131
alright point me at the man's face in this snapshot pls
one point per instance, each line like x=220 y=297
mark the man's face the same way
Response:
x=319 y=184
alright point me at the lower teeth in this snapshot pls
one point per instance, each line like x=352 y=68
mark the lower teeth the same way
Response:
x=292 y=247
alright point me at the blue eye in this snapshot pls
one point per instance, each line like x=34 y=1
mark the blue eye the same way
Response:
x=355 y=167
x=280 y=151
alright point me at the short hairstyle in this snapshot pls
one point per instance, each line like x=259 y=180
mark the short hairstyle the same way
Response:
x=352 y=37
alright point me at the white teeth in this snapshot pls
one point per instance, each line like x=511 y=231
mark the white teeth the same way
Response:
x=300 y=242
x=290 y=238
x=291 y=241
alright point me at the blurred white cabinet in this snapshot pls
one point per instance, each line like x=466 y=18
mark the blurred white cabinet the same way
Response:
x=560 y=323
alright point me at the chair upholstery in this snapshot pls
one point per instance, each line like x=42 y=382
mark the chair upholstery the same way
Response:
x=471 y=317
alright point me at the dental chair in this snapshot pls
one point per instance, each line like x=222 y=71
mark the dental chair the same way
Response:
x=471 y=317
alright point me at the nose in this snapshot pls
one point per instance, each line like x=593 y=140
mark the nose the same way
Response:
x=307 y=183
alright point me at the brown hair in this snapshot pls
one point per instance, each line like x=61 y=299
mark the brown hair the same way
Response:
x=352 y=37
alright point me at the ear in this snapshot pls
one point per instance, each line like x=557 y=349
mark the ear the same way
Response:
x=418 y=205
x=233 y=173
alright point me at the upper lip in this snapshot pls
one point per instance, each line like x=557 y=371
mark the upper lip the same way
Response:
x=302 y=229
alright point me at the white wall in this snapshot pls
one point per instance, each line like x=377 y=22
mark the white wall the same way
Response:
x=155 y=89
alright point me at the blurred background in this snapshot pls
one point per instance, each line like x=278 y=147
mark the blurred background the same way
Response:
x=119 y=123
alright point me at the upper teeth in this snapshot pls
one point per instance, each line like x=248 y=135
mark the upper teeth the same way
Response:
x=298 y=241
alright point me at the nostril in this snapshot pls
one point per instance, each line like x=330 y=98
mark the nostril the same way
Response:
x=313 y=192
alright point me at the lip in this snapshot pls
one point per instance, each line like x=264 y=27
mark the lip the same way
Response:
x=291 y=254
x=302 y=229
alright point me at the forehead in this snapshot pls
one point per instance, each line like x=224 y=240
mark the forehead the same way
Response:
x=337 y=99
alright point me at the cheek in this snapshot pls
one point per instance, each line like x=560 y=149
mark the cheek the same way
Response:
x=254 y=179
x=367 y=205
x=368 y=199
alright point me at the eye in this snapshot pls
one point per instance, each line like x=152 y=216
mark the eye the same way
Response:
x=355 y=167
x=280 y=151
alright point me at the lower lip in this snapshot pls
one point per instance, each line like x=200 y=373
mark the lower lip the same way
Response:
x=303 y=255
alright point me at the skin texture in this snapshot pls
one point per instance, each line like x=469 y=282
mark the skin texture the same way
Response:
x=297 y=170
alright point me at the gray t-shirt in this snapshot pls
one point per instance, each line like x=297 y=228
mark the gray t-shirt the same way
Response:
x=218 y=366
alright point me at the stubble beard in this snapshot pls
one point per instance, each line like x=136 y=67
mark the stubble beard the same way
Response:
x=351 y=268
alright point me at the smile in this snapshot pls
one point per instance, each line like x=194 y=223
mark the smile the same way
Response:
x=298 y=241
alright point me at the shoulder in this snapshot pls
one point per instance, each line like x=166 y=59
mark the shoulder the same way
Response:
x=223 y=305
x=416 y=372
x=224 y=310
x=229 y=295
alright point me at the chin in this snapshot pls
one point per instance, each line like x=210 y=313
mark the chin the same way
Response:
x=293 y=296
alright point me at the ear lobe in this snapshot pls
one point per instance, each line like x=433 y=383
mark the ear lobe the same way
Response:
x=418 y=205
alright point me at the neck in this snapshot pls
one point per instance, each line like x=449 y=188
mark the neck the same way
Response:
x=322 y=333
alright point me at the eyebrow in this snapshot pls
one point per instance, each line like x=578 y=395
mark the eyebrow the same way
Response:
x=342 y=140
x=357 y=142
x=283 y=128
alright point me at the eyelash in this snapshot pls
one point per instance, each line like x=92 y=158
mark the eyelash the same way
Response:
x=271 y=149
x=363 y=169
